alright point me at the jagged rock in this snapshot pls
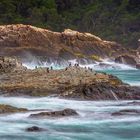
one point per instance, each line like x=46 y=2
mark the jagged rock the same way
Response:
x=62 y=113
x=17 y=40
x=102 y=91
x=72 y=82
x=126 y=59
x=133 y=103
x=126 y=112
x=10 y=109
x=81 y=36
x=8 y=64
x=34 y=129
x=105 y=66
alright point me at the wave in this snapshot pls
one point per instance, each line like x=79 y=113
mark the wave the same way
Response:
x=126 y=73
x=105 y=64
x=108 y=64
x=134 y=83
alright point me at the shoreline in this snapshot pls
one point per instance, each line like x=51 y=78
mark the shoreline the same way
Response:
x=73 y=82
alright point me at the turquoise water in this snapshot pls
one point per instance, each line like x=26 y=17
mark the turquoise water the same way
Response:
x=93 y=123
x=131 y=77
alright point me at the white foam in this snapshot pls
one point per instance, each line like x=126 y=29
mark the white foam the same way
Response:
x=106 y=64
x=134 y=83
x=33 y=65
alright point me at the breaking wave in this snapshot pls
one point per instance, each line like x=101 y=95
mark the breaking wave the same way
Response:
x=126 y=73
x=104 y=65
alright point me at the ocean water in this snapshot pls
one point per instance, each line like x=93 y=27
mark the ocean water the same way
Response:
x=131 y=77
x=94 y=122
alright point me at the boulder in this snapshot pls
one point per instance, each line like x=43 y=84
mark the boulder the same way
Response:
x=62 y=113
x=105 y=66
x=134 y=103
x=126 y=59
x=10 y=109
x=34 y=129
x=138 y=66
x=126 y=112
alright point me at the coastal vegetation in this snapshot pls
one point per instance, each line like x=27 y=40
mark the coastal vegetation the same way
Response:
x=110 y=19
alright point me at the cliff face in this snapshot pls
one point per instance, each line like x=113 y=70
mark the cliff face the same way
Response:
x=15 y=40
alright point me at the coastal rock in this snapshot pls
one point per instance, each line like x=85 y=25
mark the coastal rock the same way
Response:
x=133 y=103
x=21 y=40
x=138 y=66
x=62 y=113
x=85 y=61
x=8 y=64
x=126 y=59
x=126 y=112
x=72 y=82
x=102 y=91
x=34 y=129
x=106 y=66
x=10 y=109
x=81 y=36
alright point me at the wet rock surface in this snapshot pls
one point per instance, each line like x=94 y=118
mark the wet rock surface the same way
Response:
x=72 y=82
x=34 y=129
x=126 y=59
x=103 y=91
x=8 y=64
x=126 y=112
x=138 y=66
x=16 y=40
x=63 y=113
x=10 y=109
x=133 y=103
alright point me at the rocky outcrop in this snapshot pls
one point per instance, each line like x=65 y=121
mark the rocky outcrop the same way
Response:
x=126 y=112
x=126 y=59
x=132 y=59
x=138 y=66
x=63 y=113
x=10 y=109
x=102 y=91
x=133 y=103
x=34 y=129
x=72 y=82
x=8 y=64
x=21 y=40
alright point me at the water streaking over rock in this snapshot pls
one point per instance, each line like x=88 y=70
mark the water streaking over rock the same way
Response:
x=94 y=121
x=73 y=82
x=107 y=64
x=26 y=42
x=104 y=64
